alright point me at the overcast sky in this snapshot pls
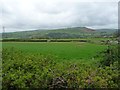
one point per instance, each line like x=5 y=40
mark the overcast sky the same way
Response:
x=20 y=15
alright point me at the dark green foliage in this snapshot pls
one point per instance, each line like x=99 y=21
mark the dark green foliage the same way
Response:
x=24 y=40
x=38 y=71
x=44 y=40
x=62 y=35
x=110 y=55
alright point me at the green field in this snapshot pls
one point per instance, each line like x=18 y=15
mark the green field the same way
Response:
x=41 y=64
x=61 y=50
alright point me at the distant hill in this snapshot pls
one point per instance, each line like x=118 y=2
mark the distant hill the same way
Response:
x=73 y=32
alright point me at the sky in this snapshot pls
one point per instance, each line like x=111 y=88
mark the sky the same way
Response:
x=22 y=15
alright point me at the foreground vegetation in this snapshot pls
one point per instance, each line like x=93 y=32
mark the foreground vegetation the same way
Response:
x=44 y=71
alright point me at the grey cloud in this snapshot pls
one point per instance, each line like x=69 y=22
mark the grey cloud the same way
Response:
x=35 y=14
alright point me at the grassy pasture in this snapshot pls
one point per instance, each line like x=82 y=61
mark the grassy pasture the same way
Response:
x=61 y=50
x=34 y=68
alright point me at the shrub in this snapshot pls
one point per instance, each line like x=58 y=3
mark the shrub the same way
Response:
x=110 y=55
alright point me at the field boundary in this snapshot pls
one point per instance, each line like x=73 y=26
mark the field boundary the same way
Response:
x=45 y=40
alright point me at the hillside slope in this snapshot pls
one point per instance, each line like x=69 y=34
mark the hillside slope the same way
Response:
x=74 y=32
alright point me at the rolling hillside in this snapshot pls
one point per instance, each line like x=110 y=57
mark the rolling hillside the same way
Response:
x=75 y=32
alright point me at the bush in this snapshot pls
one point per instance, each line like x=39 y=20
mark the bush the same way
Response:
x=21 y=71
x=110 y=55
